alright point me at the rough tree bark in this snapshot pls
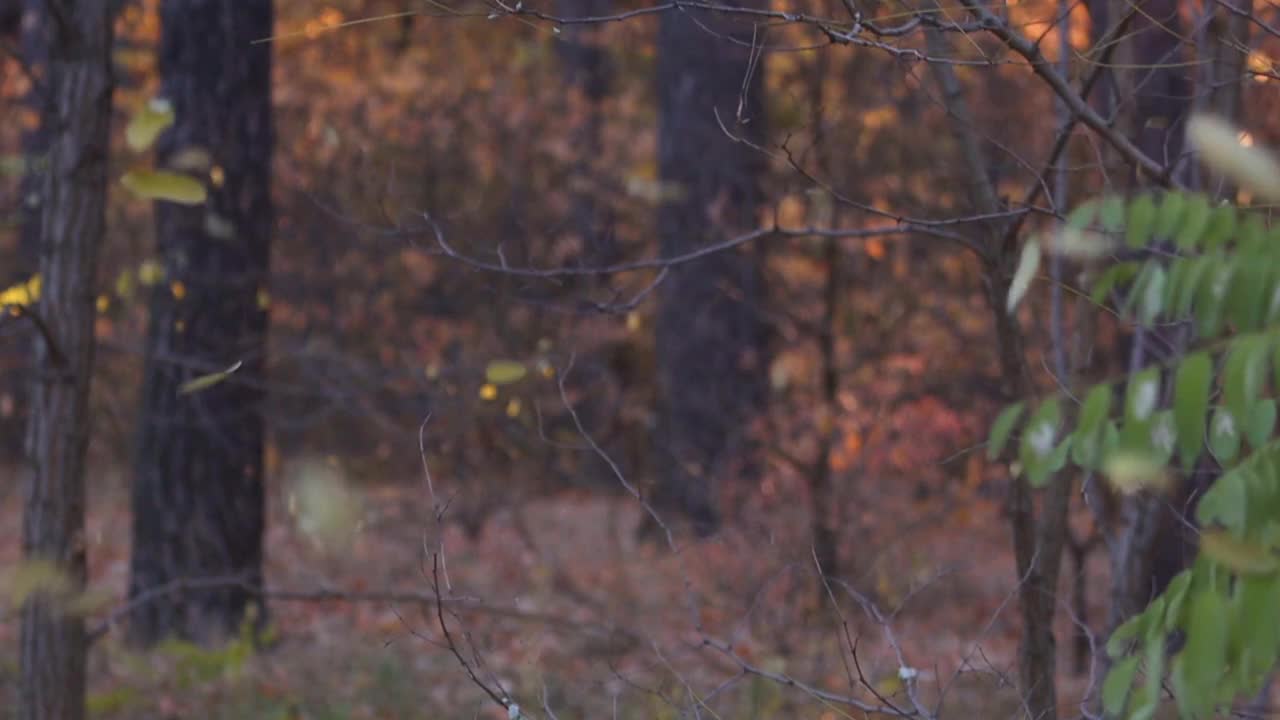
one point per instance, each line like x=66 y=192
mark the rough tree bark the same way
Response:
x=198 y=499
x=711 y=343
x=77 y=34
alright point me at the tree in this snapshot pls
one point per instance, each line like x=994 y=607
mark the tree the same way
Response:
x=711 y=341
x=77 y=108
x=198 y=497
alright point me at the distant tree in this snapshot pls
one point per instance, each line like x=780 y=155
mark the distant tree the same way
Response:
x=198 y=499
x=711 y=339
x=77 y=35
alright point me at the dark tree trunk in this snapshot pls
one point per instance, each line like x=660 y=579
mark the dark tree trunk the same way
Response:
x=711 y=341
x=198 y=498
x=78 y=113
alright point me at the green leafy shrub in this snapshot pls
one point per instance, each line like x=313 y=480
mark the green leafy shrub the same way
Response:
x=1173 y=257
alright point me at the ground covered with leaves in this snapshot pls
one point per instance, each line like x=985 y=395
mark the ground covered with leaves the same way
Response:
x=559 y=604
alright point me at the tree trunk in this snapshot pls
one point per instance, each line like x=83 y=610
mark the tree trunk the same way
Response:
x=198 y=498
x=711 y=342
x=78 y=111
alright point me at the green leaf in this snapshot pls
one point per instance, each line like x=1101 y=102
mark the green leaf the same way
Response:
x=1222 y=224
x=1147 y=699
x=1197 y=270
x=1040 y=445
x=1224 y=436
x=1271 y=295
x=1116 y=275
x=1253 y=233
x=164 y=185
x=1195 y=220
x=1028 y=264
x=1002 y=428
x=1084 y=214
x=1164 y=437
x=1151 y=300
x=1239 y=556
x=1245 y=298
x=1111 y=213
x=1085 y=448
x=1243 y=376
x=1191 y=404
x=1129 y=630
x=1204 y=656
x=1211 y=296
x=1040 y=473
x=505 y=372
x=1142 y=221
x=1226 y=502
x=1262 y=421
x=1143 y=395
x=1176 y=596
x=1116 y=686
x=1170 y=215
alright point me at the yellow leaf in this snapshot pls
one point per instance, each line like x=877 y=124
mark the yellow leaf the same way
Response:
x=513 y=408
x=178 y=288
x=1028 y=264
x=1131 y=472
x=191 y=159
x=488 y=391
x=204 y=382
x=22 y=294
x=504 y=372
x=103 y=303
x=1240 y=556
x=150 y=272
x=165 y=185
x=1080 y=244
x=124 y=285
x=147 y=124
x=322 y=504
x=1221 y=149
x=38 y=577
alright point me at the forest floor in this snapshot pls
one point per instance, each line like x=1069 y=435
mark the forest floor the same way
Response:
x=558 y=603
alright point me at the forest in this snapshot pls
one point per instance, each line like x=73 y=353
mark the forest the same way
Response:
x=646 y=359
